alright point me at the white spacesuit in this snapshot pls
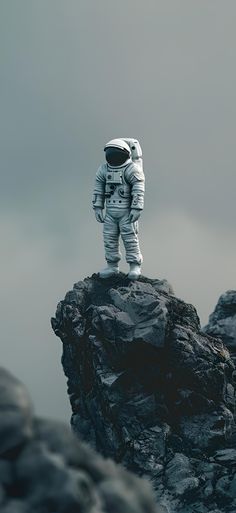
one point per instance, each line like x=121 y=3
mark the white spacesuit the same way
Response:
x=120 y=185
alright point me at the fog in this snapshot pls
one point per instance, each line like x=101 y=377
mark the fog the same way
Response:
x=74 y=75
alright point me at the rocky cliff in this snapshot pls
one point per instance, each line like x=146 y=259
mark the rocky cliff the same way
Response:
x=150 y=389
x=44 y=469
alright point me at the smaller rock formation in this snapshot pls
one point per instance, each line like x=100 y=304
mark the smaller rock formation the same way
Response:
x=222 y=322
x=44 y=469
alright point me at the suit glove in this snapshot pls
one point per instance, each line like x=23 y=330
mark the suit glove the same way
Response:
x=99 y=214
x=134 y=215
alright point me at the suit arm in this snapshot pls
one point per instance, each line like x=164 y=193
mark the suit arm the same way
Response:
x=135 y=176
x=99 y=189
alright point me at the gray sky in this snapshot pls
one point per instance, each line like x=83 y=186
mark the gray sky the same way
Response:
x=73 y=75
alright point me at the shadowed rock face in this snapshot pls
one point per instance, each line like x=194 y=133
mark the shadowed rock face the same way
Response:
x=150 y=389
x=222 y=322
x=44 y=469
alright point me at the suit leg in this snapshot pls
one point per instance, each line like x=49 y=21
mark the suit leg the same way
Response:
x=129 y=234
x=111 y=232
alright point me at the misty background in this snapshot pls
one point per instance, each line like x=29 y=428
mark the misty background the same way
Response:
x=74 y=74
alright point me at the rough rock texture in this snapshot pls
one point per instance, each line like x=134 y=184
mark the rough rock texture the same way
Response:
x=222 y=322
x=149 y=389
x=43 y=468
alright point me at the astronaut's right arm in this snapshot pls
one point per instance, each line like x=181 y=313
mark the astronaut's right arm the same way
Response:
x=99 y=194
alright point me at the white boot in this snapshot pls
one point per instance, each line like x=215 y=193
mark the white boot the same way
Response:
x=135 y=271
x=112 y=268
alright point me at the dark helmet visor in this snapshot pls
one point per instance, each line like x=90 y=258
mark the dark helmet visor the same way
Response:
x=116 y=156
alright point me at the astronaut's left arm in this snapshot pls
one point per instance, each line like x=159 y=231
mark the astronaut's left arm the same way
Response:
x=136 y=178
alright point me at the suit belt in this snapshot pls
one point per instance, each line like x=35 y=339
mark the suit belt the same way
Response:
x=125 y=202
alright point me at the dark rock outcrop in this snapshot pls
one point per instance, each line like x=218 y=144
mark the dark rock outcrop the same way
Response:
x=150 y=389
x=222 y=322
x=45 y=469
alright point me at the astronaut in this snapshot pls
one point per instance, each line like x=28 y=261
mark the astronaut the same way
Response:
x=119 y=186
